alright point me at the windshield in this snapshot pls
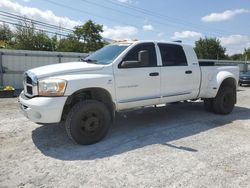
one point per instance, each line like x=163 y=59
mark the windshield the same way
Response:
x=245 y=73
x=106 y=54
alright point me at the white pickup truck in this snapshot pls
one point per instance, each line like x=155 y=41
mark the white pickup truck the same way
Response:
x=123 y=76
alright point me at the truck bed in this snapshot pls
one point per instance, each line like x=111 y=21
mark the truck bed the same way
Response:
x=206 y=63
x=212 y=62
x=211 y=74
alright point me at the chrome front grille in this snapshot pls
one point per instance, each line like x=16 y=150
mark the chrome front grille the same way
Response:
x=30 y=84
x=28 y=80
x=29 y=90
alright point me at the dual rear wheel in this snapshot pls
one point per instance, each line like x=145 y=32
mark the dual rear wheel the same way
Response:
x=224 y=101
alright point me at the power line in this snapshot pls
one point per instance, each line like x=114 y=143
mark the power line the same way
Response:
x=95 y=15
x=170 y=19
x=153 y=14
x=22 y=18
x=66 y=30
x=6 y=14
x=19 y=21
x=126 y=13
x=41 y=30
x=87 y=12
x=102 y=17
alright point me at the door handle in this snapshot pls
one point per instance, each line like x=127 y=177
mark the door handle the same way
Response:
x=188 y=72
x=154 y=74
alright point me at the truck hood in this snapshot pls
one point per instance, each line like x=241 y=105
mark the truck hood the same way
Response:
x=64 y=68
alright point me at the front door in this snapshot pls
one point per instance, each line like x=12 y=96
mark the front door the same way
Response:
x=138 y=85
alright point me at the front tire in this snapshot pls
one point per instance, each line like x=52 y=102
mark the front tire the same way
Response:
x=88 y=122
x=225 y=100
x=208 y=104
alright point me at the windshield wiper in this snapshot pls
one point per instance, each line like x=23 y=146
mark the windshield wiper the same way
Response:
x=90 y=61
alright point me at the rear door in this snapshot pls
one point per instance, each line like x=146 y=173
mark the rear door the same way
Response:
x=138 y=85
x=179 y=78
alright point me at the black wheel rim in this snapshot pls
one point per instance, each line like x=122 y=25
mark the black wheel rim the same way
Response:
x=90 y=122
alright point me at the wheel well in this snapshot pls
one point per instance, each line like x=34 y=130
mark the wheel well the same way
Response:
x=98 y=94
x=229 y=82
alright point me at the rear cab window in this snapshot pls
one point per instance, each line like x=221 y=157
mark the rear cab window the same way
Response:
x=172 y=55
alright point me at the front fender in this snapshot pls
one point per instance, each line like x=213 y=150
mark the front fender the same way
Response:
x=78 y=82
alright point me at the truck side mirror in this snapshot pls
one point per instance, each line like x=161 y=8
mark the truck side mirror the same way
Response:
x=143 y=60
x=130 y=64
x=143 y=57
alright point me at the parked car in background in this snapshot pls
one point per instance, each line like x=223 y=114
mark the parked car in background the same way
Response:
x=244 y=78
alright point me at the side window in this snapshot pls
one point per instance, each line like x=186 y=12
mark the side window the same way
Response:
x=132 y=55
x=172 y=55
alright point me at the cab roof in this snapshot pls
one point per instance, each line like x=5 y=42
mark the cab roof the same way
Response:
x=144 y=41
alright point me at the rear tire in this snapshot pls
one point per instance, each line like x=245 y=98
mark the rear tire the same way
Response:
x=88 y=122
x=225 y=100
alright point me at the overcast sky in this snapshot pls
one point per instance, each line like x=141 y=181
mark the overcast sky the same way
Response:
x=228 y=20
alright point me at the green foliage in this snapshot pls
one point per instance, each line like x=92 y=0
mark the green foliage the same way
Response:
x=5 y=33
x=239 y=57
x=209 y=48
x=242 y=57
x=27 y=38
x=70 y=44
x=23 y=36
x=90 y=35
x=246 y=54
x=6 y=36
x=85 y=38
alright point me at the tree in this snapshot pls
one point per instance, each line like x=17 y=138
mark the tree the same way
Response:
x=28 y=38
x=209 y=48
x=239 y=57
x=41 y=41
x=70 y=44
x=85 y=38
x=246 y=54
x=5 y=36
x=243 y=56
x=24 y=35
x=5 y=33
x=90 y=33
x=54 y=43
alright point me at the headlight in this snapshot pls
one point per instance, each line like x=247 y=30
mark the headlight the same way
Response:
x=51 y=87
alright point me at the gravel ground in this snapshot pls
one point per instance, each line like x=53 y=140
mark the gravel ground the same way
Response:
x=179 y=145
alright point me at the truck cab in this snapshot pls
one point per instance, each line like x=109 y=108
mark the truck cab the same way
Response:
x=154 y=73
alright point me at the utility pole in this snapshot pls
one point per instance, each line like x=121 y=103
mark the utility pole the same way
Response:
x=60 y=29
x=247 y=64
x=217 y=58
x=245 y=67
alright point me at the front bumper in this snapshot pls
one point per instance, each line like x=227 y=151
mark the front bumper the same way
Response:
x=42 y=109
x=243 y=81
